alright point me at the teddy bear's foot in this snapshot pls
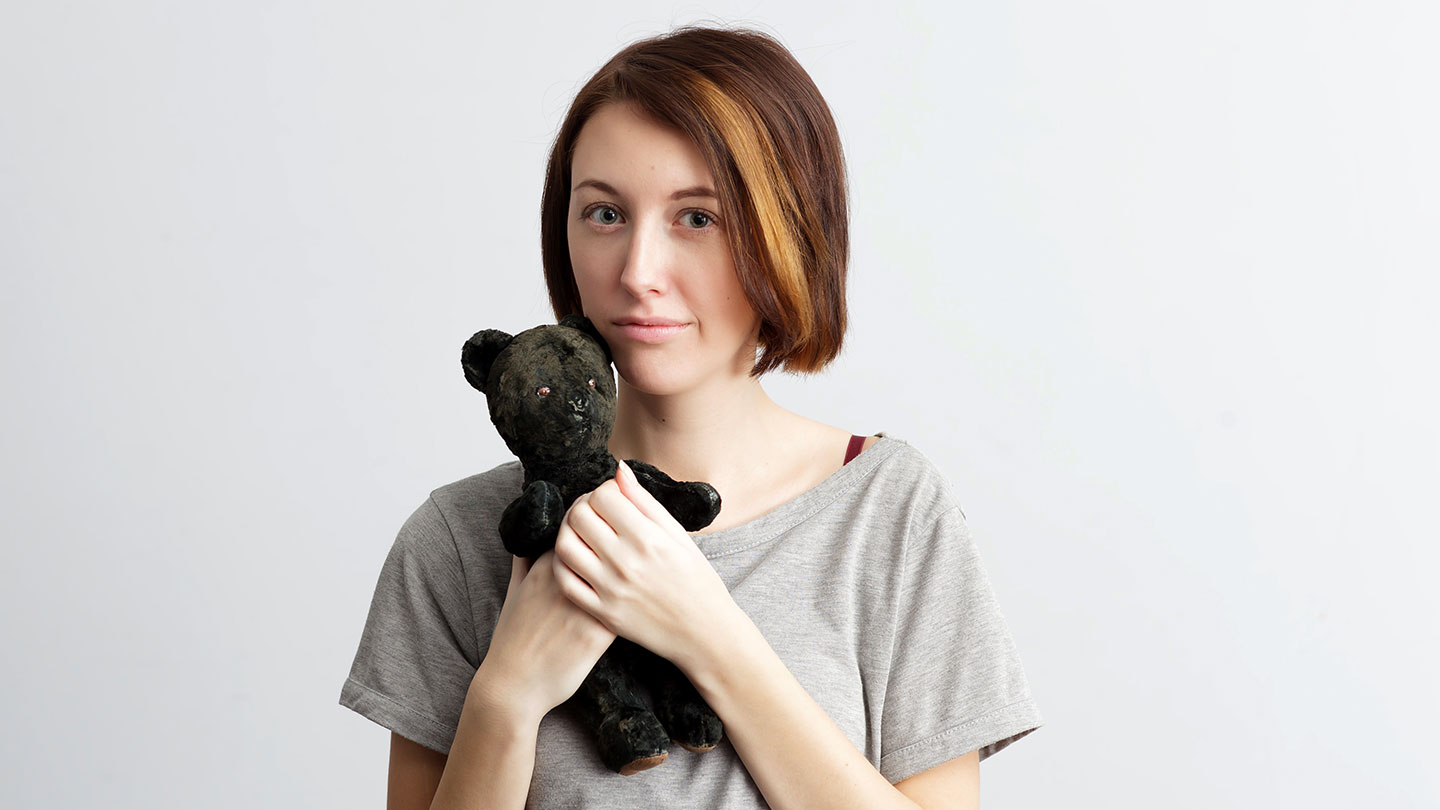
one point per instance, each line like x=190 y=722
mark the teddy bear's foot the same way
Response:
x=632 y=740
x=693 y=726
x=644 y=764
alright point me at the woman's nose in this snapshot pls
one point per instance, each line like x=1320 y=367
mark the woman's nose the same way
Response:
x=647 y=264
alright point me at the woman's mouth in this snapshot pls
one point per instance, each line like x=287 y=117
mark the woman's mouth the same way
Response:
x=649 y=330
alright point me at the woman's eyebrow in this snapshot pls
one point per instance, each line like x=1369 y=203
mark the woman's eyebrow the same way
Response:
x=694 y=191
x=606 y=188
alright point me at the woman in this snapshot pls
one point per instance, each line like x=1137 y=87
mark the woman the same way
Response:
x=835 y=615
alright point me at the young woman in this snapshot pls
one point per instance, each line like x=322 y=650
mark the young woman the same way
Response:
x=835 y=615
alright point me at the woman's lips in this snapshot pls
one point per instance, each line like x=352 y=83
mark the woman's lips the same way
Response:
x=650 y=331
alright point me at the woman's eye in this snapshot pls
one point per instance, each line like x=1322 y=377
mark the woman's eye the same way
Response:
x=603 y=215
x=698 y=219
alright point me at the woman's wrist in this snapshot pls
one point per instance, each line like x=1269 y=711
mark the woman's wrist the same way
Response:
x=711 y=649
x=502 y=699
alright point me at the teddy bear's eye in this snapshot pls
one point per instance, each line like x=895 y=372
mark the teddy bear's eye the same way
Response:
x=592 y=382
x=543 y=391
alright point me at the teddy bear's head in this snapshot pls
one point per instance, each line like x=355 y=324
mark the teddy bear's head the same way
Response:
x=550 y=389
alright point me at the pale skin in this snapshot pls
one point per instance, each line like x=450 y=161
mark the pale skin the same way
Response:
x=647 y=245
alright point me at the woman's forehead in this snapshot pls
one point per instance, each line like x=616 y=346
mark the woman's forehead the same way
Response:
x=623 y=152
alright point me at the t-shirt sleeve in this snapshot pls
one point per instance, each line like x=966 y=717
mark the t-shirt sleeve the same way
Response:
x=955 y=683
x=418 y=652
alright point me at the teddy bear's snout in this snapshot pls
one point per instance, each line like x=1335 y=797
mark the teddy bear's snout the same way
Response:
x=578 y=405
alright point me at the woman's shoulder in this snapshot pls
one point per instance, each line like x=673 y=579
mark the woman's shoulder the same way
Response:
x=898 y=458
x=499 y=483
x=903 y=472
x=461 y=519
x=481 y=494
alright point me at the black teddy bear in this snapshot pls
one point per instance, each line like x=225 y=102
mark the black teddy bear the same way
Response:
x=552 y=397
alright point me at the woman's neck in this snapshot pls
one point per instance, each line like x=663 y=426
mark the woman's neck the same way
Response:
x=731 y=435
x=707 y=434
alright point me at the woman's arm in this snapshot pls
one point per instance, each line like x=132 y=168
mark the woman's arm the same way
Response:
x=541 y=651
x=795 y=753
x=492 y=757
x=953 y=785
x=414 y=774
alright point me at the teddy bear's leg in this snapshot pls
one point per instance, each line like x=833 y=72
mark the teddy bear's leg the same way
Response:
x=529 y=524
x=693 y=503
x=629 y=737
x=686 y=716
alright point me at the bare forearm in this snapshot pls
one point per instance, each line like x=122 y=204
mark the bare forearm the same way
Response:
x=795 y=753
x=492 y=757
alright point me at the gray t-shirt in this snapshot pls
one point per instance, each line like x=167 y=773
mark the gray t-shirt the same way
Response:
x=868 y=587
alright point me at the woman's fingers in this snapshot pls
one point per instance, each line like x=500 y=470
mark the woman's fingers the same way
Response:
x=628 y=514
x=644 y=502
x=592 y=529
x=573 y=551
x=574 y=584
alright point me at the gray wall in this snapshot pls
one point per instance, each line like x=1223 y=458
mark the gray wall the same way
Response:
x=1152 y=282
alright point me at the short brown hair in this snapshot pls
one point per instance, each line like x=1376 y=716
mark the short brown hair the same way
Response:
x=769 y=139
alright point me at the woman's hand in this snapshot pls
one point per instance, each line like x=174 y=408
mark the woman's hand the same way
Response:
x=622 y=558
x=543 y=646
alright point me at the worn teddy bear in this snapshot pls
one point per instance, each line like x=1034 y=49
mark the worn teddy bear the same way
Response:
x=552 y=397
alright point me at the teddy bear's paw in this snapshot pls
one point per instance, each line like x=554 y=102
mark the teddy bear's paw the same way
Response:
x=693 y=726
x=632 y=740
x=529 y=524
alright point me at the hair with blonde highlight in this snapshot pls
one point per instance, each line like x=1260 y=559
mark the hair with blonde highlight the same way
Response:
x=769 y=140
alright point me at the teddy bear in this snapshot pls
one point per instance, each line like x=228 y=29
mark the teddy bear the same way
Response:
x=551 y=395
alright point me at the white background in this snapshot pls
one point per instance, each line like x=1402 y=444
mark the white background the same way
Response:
x=1152 y=282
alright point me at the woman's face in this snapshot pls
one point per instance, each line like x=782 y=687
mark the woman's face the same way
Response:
x=651 y=257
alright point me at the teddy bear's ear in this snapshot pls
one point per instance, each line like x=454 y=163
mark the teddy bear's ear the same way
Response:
x=584 y=325
x=479 y=354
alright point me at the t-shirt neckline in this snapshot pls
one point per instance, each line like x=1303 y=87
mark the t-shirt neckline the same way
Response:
x=765 y=528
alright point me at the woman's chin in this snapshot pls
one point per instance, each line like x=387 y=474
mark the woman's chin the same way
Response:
x=656 y=384
x=656 y=375
x=668 y=373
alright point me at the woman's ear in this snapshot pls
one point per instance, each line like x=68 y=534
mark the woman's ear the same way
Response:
x=479 y=353
x=584 y=325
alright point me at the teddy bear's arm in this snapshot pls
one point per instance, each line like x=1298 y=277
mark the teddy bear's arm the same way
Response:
x=529 y=524
x=693 y=503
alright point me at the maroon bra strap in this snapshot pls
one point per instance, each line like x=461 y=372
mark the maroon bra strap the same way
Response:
x=857 y=443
